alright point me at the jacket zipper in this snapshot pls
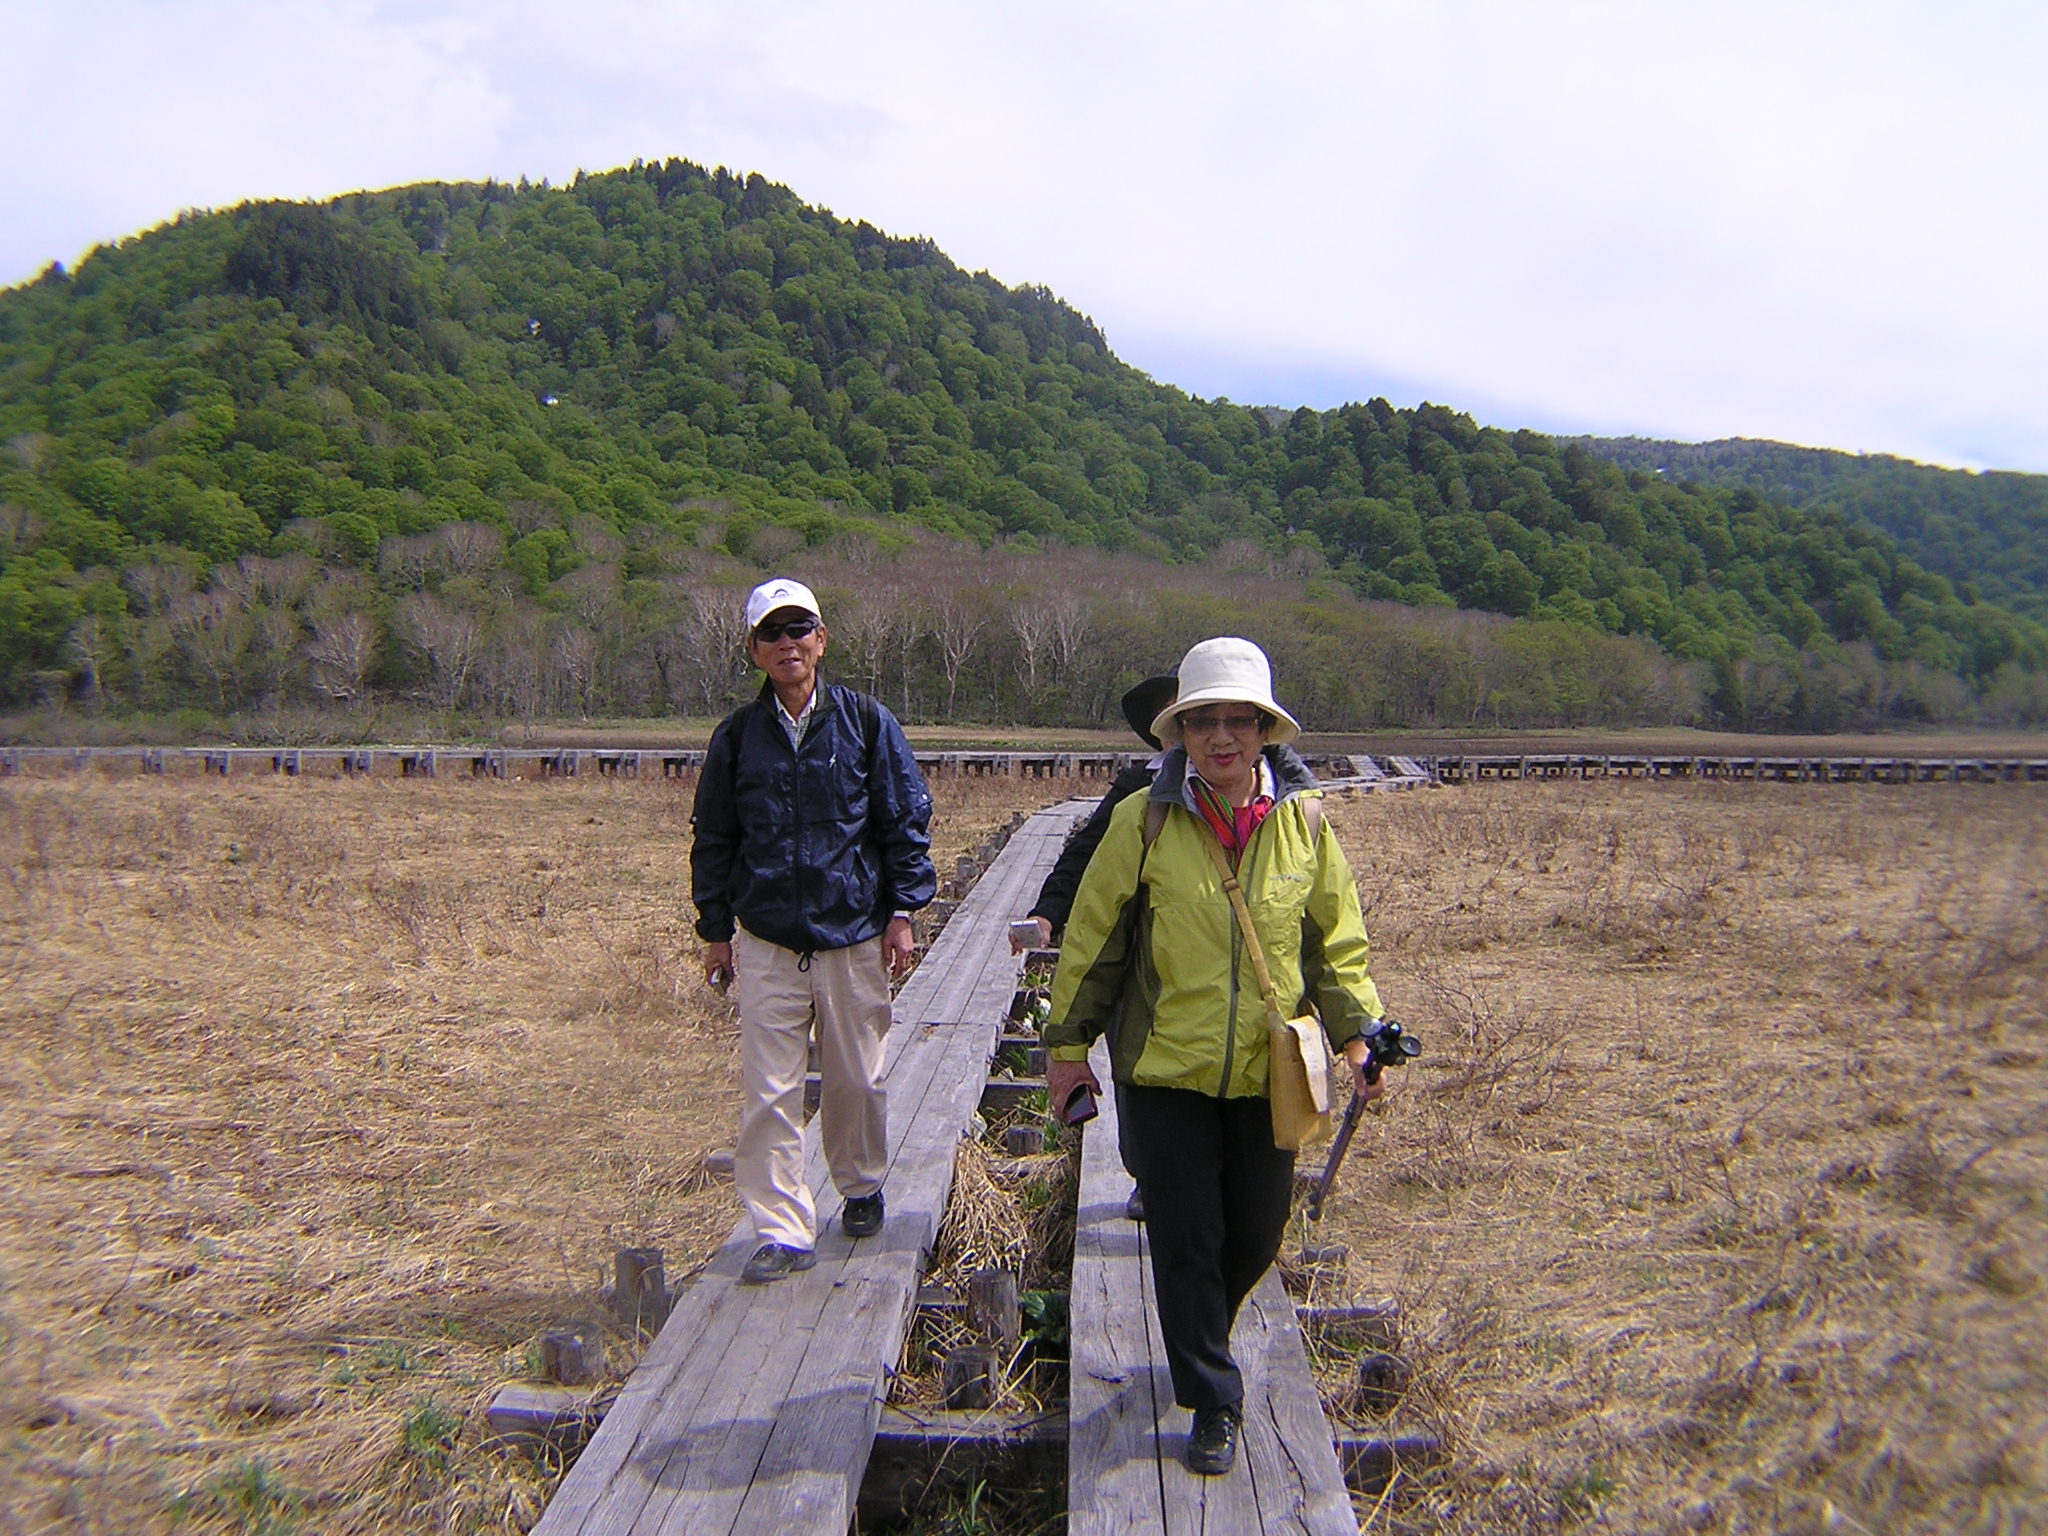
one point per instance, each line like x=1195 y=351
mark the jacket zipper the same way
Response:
x=1229 y=1018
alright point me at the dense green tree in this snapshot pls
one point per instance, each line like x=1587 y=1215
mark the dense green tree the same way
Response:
x=616 y=385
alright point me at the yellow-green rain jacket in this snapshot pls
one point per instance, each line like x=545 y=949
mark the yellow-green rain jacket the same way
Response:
x=1153 y=955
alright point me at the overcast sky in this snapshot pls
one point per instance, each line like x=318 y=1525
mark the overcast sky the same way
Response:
x=1822 y=222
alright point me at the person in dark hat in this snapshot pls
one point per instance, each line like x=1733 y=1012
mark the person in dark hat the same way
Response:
x=1056 y=895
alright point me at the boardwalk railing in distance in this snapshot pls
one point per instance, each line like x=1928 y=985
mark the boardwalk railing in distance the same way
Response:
x=1357 y=772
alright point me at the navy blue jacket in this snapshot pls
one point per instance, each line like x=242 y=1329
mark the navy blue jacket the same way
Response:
x=812 y=850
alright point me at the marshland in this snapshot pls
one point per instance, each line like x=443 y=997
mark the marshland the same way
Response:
x=1714 y=1205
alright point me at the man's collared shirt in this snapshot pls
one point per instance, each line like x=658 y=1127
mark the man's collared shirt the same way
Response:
x=796 y=727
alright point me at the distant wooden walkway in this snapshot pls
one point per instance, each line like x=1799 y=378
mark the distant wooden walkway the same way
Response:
x=1351 y=771
x=1805 y=769
x=756 y=1407
x=510 y=762
x=1125 y=1436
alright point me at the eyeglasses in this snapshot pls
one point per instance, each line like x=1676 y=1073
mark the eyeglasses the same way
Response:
x=772 y=630
x=1205 y=725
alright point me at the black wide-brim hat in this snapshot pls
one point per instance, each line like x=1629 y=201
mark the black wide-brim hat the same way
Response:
x=1144 y=702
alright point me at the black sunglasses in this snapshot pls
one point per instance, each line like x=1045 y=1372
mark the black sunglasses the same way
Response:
x=771 y=630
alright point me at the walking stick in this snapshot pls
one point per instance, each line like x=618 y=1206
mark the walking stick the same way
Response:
x=1387 y=1046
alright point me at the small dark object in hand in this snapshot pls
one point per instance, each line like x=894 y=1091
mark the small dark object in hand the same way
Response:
x=1080 y=1106
x=1389 y=1046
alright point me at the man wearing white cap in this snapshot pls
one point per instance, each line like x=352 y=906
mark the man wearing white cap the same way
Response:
x=812 y=849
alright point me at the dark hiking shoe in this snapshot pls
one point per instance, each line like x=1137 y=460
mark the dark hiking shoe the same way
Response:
x=774 y=1261
x=863 y=1215
x=1212 y=1440
x=1134 y=1208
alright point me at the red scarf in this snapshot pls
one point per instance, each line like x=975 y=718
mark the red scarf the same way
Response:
x=1233 y=825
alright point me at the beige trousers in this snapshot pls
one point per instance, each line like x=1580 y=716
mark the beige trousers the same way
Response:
x=846 y=992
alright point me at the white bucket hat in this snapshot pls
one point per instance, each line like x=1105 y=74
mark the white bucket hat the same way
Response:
x=780 y=593
x=1226 y=670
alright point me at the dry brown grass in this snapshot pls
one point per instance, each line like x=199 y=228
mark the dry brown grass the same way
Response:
x=320 y=1100
x=1715 y=1204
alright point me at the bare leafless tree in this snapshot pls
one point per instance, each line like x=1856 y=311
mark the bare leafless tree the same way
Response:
x=212 y=631
x=92 y=646
x=157 y=586
x=341 y=653
x=447 y=636
x=258 y=581
x=572 y=661
x=407 y=560
x=530 y=516
x=1070 y=630
x=863 y=626
x=19 y=528
x=717 y=626
x=469 y=549
x=958 y=618
x=597 y=538
x=1031 y=621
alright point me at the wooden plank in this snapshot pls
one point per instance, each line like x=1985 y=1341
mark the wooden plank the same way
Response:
x=692 y=1434
x=1117 y=1387
x=1127 y=1436
x=1288 y=1476
x=756 y=1407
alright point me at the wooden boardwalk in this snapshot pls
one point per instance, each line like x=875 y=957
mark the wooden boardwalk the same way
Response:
x=756 y=1407
x=1359 y=772
x=1125 y=1436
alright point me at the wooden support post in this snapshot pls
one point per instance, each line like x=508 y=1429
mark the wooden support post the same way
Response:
x=1000 y=1095
x=929 y=1454
x=1024 y=1140
x=1037 y=1061
x=1370 y=1462
x=1381 y=1381
x=561 y=1417
x=639 y=1291
x=969 y=1376
x=572 y=1356
x=992 y=1311
x=1318 y=1264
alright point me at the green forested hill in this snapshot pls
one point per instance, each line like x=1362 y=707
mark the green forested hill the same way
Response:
x=429 y=442
x=1988 y=532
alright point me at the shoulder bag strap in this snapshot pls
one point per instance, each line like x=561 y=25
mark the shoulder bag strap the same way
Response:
x=1244 y=921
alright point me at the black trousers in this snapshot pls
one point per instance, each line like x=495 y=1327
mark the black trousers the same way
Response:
x=1217 y=1193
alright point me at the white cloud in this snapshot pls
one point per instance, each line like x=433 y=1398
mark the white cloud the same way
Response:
x=1812 y=221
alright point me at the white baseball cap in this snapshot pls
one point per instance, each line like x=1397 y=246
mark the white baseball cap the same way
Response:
x=780 y=593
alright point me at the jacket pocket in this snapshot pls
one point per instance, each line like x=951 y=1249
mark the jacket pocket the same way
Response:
x=831 y=791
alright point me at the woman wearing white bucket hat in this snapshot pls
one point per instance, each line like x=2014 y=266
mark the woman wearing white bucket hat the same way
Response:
x=1154 y=956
